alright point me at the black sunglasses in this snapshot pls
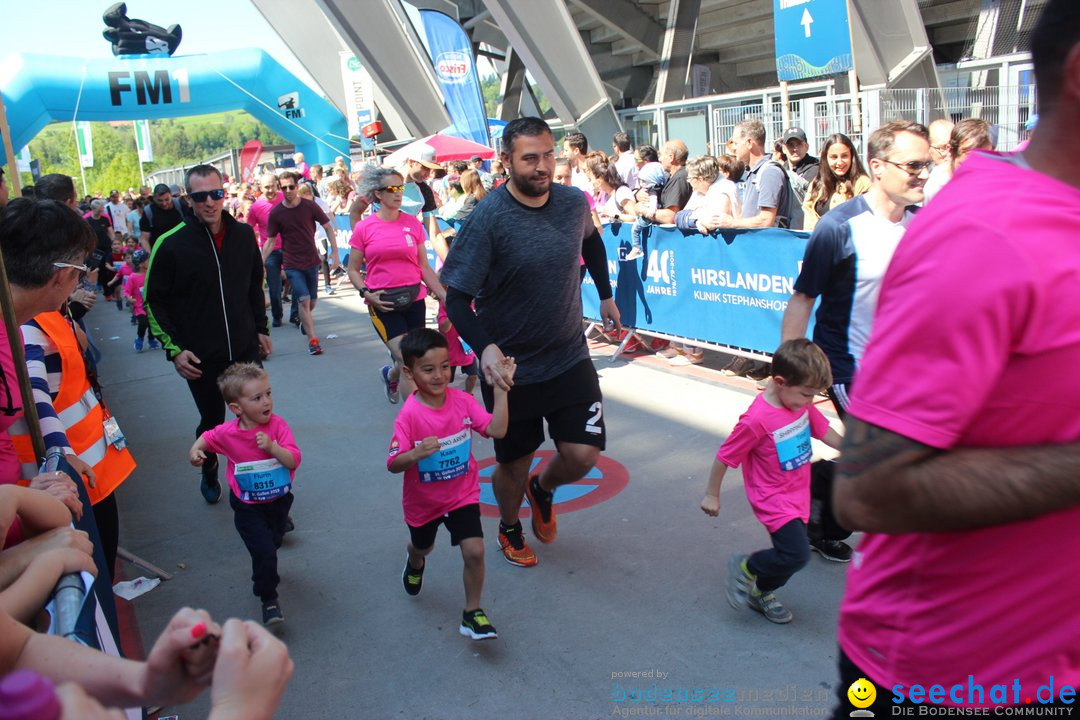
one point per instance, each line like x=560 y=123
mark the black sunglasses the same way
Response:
x=914 y=168
x=201 y=195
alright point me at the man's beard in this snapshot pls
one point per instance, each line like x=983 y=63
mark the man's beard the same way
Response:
x=527 y=184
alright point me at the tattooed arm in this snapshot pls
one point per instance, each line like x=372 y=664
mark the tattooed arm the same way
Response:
x=888 y=483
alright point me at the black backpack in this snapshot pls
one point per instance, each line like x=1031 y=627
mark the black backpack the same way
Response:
x=148 y=211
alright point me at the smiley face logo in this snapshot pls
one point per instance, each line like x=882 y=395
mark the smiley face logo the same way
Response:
x=862 y=693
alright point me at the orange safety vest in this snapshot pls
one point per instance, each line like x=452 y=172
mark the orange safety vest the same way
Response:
x=81 y=414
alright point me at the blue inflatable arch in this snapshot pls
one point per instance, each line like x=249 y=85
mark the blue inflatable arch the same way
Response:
x=42 y=89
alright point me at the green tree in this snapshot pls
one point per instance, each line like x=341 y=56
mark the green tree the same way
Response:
x=489 y=86
x=176 y=142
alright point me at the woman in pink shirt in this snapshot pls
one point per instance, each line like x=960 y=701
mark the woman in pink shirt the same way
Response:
x=393 y=245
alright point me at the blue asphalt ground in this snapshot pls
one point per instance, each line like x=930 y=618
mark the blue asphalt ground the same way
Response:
x=624 y=615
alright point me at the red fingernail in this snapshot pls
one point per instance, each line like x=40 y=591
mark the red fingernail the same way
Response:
x=198 y=630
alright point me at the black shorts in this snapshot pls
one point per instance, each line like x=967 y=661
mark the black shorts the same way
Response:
x=470 y=370
x=571 y=403
x=396 y=323
x=463 y=523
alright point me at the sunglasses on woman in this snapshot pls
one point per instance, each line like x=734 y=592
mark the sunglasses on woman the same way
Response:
x=81 y=268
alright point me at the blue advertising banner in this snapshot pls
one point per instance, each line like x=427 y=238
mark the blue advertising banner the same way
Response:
x=729 y=288
x=452 y=58
x=812 y=38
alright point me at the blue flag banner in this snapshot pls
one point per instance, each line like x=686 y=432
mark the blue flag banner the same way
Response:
x=452 y=58
x=728 y=288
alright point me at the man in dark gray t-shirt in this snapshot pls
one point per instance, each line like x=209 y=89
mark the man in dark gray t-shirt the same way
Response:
x=518 y=257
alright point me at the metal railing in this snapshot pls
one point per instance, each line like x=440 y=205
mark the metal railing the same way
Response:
x=1008 y=108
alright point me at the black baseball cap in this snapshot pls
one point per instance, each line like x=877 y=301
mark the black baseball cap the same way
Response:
x=794 y=134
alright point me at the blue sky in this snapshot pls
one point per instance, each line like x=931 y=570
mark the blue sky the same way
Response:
x=74 y=27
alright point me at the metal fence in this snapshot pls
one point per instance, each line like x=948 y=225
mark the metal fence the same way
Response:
x=1008 y=109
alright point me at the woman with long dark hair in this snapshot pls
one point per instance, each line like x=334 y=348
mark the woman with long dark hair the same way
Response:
x=840 y=178
x=609 y=185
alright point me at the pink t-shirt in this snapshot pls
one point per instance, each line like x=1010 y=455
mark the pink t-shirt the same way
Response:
x=254 y=475
x=448 y=479
x=124 y=271
x=10 y=470
x=133 y=289
x=975 y=344
x=459 y=357
x=259 y=214
x=391 y=250
x=773 y=446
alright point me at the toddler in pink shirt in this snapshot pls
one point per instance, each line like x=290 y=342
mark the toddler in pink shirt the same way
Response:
x=262 y=460
x=772 y=443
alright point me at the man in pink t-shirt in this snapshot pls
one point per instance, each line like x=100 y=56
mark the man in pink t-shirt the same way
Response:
x=257 y=217
x=964 y=474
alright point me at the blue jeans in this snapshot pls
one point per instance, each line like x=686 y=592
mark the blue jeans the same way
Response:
x=305 y=283
x=789 y=554
x=639 y=232
x=273 y=283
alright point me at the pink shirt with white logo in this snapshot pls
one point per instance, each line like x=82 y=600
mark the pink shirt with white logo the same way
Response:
x=240 y=449
x=133 y=288
x=390 y=250
x=449 y=479
x=259 y=214
x=124 y=271
x=976 y=343
x=773 y=446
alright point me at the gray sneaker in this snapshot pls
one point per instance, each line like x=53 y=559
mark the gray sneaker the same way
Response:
x=767 y=604
x=739 y=583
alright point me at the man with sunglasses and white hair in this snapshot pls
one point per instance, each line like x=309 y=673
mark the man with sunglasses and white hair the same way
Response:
x=205 y=303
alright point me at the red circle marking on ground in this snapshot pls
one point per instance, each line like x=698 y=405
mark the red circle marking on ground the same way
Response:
x=607 y=479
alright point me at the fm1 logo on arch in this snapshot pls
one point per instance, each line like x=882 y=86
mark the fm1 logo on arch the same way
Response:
x=157 y=88
x=603 y=482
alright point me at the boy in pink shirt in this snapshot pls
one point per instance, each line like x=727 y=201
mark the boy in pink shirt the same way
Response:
x=262 y=460
x=432 y=446
x=772 y=443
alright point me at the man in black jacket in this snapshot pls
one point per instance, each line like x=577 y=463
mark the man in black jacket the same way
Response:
x=205 y=302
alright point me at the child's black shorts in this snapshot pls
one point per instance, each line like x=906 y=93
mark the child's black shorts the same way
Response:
x=470 y=370
x=463 y=523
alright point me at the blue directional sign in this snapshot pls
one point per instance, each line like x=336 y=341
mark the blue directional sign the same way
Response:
x=812 y=38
